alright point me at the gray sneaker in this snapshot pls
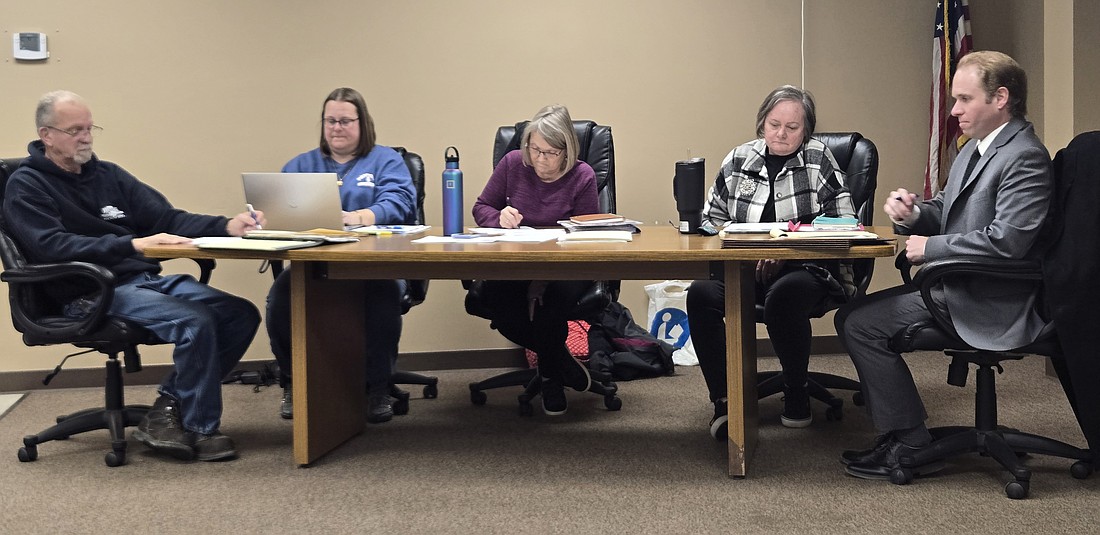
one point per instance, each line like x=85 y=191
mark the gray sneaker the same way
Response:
x=213 y=447
x=286 y=407
x=379 y=408
x=162 y=430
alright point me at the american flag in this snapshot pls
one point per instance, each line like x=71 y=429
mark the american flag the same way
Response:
x=951 y=41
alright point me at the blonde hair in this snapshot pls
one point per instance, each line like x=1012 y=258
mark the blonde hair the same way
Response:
x=555 y=125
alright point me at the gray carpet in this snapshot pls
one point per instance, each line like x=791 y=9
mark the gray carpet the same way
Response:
x=450 y=467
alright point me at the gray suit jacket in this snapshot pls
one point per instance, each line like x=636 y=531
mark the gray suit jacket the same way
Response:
x=997 y=212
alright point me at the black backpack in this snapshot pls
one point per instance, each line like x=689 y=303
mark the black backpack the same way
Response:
x=621 y=348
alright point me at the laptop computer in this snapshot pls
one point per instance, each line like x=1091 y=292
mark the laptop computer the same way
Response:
x=295 y=201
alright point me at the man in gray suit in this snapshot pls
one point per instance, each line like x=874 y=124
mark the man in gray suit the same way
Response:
x=994 y=204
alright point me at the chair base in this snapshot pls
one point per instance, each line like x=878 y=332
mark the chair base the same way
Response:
x=115 y=417
x=532 y=382
x=429 y=382
x=818 y=386
x=1005 y=445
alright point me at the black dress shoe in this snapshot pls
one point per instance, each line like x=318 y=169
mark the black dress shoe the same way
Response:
x=882 y=462
x=861 y=456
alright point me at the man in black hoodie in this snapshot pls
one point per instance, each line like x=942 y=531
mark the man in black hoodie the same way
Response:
x=64 y=204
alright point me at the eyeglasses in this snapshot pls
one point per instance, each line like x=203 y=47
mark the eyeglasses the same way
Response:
x=535 y=153
x=331 y=123
x=77 y=132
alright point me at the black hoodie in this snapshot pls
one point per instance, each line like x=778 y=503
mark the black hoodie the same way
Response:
x=58 y=216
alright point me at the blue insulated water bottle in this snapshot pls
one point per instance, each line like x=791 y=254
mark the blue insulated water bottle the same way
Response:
x=452 y=193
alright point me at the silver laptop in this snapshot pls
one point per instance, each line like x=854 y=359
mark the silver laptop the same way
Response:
x=295 y=201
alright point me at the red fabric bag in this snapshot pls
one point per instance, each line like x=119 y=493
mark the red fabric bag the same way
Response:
x=576 y=341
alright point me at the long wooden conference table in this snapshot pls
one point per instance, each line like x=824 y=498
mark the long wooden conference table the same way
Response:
x=326 y=297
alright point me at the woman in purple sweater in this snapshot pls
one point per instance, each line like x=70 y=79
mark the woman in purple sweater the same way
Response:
x=537 y=186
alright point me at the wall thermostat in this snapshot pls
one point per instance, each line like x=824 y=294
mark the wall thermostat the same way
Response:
x=29 y=46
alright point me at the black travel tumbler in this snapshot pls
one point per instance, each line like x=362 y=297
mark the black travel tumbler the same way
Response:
x=687 y=189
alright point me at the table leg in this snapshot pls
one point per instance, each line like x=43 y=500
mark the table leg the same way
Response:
x=741 y=364
x=329 y=373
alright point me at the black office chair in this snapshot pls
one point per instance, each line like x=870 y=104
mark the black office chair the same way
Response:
x=597 y=149
x=37 y=313
x=414 y=293
x=1066 y=289
x=857 y=156
x=987 y=437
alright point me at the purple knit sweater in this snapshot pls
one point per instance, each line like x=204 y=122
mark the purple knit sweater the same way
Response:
x=541 y=204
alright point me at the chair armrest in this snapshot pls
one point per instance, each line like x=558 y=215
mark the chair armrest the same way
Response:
x=24 y=279
x=206 y=268
x=932 y=273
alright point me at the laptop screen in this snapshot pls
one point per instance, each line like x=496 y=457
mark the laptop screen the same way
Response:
x=295 y=201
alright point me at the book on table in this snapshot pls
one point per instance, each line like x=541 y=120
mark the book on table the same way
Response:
x=597 y=219
x=816 y=239
x=607 y=222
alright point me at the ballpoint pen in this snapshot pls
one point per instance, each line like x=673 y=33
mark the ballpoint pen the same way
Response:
x=252 y=212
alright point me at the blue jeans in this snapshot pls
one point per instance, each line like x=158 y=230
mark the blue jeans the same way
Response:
x=210 y=329
x=382 y=307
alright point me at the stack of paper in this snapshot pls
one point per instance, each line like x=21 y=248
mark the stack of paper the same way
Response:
x=815 y=239
x=382 y=230
x=597 y=236
x=319 y=235
x=591 y=222
x=247 y=244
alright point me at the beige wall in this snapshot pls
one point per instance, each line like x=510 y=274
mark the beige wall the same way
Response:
x=191 y=93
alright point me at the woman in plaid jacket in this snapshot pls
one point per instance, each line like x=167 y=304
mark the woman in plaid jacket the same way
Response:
x=783 y=175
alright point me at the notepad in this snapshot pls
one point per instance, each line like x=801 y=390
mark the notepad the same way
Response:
x=597 y=236
x=247 y=244
x=325 y=235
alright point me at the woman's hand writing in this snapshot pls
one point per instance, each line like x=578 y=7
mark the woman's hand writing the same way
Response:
x=510 y=217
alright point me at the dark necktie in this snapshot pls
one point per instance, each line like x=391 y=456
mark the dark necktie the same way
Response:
x=970 y=165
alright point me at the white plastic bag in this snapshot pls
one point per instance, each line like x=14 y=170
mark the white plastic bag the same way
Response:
x=685 y=356
x=667 y=319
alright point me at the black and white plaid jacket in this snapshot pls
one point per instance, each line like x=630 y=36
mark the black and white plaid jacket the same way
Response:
x=809 y=185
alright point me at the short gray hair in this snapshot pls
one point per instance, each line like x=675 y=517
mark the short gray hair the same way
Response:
x=789 y=92
x=555 y=125
x=43 y=114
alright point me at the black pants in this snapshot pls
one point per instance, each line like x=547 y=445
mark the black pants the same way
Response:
x=382 y=326
x=790 y=300
x=546 y=332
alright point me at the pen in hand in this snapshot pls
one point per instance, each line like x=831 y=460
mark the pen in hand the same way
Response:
x=252 y=212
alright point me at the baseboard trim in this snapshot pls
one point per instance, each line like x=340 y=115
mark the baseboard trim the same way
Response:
x=19 y=381
x=150 y=374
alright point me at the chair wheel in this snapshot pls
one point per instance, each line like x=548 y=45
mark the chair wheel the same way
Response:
x=526 y=409
x=612 y=402
x=28 y=454
x=901 y=476
x=857 y=399
x=478 y=397
x=115 y=459
x=431 y=392
x=1017 y=490
x=1081 y=470
x=834 y=414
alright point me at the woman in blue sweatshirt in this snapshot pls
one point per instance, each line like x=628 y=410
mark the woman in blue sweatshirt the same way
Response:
x=375 y=188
